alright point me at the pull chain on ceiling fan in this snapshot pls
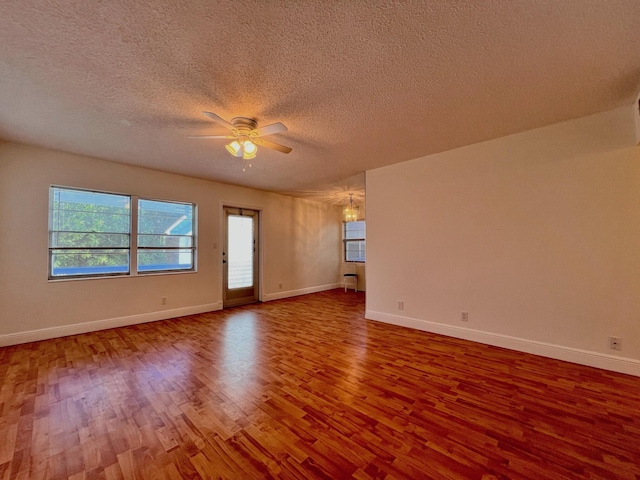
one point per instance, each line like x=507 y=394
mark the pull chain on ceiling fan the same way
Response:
x=246 y=136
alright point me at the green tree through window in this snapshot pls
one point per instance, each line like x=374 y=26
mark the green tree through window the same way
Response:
x=90 y=234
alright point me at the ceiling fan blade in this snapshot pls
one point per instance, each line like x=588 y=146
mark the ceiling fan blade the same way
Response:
x=211 y=136
x=269 y=130
x=219 y=120
x=273 y=146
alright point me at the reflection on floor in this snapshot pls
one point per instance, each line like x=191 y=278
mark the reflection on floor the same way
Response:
x=306 y=388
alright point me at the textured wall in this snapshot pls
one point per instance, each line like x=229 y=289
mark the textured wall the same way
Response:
x=360 y=84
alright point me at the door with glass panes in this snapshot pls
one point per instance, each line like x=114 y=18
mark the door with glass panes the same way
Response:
x=240 y=256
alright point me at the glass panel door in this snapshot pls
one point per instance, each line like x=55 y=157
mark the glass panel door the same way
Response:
x=240 y=257
x=240 y=251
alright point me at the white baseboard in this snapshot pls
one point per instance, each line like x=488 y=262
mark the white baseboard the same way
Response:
x=583 y=357
x=93 y=326
x=302 y=291
x=75 y=329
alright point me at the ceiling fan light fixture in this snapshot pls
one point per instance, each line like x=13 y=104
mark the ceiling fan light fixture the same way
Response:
x=234 y=148
x=245 y=136
x=244 y=149
x=250 y=148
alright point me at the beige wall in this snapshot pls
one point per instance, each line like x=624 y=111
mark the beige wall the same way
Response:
x=536 y=235
x=301 y=242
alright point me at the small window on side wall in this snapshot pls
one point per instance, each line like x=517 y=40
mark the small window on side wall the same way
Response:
x=354 y=238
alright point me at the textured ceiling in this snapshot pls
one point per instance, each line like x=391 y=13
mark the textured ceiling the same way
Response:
x=359 y=84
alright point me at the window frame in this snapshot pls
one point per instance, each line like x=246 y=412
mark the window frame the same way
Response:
x=132 y=249
x=51 y=233
x=192 y=248
x=346 y=241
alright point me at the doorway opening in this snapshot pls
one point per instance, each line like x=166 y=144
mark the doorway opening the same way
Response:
x=240 y=256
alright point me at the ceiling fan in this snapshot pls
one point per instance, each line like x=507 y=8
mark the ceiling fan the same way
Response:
x=246 y=136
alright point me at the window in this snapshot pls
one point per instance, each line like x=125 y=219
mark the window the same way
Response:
x=165 y=236
x=88 y=233
x=98 y=234
x=354 y=235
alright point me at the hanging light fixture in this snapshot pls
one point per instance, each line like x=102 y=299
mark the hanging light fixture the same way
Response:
x=351 y=211
x=243 y=148
x=246 y=136
x=235 y=149
x=250 y=150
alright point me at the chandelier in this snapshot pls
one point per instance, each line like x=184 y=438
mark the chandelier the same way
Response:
x=351 y=211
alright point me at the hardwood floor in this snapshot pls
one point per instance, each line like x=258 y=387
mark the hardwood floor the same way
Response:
x=306 y=388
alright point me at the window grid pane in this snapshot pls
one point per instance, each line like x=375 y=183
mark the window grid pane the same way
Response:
x=164 y=241
x=355 y=250
x=89 y=262
x=165 y=236
x=354 y=230
x=354 y=234
x=165 y=259
x=74 y=239
x=89 y=233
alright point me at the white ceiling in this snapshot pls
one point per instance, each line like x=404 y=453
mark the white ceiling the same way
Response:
x=360 y=84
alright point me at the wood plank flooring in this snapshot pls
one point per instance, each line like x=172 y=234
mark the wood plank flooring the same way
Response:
x=306 y=388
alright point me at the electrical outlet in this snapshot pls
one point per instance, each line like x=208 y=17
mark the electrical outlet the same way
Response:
x=400 y=305
x=280 y=286
x=464 y=316
x=615 y=343
x=163 y=301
